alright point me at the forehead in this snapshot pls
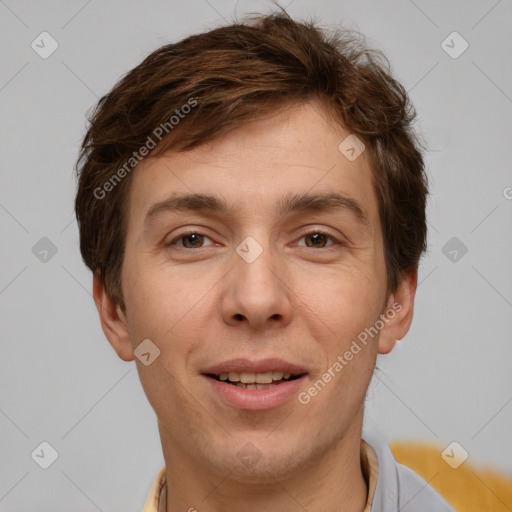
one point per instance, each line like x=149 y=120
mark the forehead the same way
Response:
x=255 y=166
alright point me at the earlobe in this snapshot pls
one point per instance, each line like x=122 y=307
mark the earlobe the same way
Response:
x=398 y=314
x=113 y=320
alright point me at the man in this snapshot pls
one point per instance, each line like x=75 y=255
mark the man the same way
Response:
x=252 y=204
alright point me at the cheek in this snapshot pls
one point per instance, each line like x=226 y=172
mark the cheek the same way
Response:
x=151 y=309
x=160 y=309
x=167 y=307
x=340 y=322
x=342 y=302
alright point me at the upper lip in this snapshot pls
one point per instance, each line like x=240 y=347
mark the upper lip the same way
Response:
x=252 y=366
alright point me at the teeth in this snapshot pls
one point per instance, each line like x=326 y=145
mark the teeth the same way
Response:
x=254 y=386
x=246 y=379
x=264 y=378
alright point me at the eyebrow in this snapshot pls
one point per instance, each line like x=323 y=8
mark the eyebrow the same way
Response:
x=288 y=204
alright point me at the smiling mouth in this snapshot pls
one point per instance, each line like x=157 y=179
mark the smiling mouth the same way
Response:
x=246 y=380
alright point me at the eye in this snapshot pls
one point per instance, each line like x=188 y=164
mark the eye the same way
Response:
x=317 y=238
x=190 y=240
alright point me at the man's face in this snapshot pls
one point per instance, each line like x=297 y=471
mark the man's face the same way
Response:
x=251 y=290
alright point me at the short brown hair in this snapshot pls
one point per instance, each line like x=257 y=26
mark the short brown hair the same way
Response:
x=239 y=73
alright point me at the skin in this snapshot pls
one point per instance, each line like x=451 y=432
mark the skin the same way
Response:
x=297 y=301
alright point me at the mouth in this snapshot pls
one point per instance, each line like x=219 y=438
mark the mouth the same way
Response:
x=255 y=385
x=246 y=380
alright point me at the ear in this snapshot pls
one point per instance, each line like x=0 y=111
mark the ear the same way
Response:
x=397 y=316
x=113 y=320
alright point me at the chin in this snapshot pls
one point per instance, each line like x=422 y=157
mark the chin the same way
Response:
x=256 y=459
x=269 y=468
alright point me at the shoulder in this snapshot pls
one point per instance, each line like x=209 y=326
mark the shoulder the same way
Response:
x=400 y=488
x=466 y=486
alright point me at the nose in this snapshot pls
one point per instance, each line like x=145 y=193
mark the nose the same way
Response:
x=256 y=290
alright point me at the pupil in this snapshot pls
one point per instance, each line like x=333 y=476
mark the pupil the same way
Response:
x=316 y=237
x=193 y=236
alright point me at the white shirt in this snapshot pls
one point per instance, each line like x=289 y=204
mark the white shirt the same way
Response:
x=393 y=487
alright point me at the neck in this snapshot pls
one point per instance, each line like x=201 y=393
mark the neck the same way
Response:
x=333 y=482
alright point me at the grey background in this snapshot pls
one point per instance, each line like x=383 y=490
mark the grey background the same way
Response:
x=61 y=382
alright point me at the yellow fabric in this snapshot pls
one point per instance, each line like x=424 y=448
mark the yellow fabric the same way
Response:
x=151 y=504
x=467 y=488
x=370 y=466
x=157 y=496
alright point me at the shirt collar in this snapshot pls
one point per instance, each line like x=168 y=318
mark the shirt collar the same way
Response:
x=154 y=503
x=370 y=467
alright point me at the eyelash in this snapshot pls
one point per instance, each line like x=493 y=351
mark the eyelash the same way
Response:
x=310 y=232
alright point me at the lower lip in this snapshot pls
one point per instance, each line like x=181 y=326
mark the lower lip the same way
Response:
x=256 y=399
